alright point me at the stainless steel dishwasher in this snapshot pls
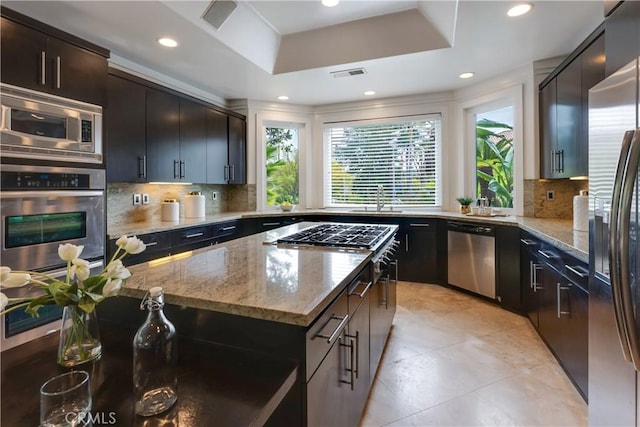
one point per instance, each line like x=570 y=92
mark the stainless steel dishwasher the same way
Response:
x=471 y=258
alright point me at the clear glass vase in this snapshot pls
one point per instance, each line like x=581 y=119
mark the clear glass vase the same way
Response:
x=79 y=337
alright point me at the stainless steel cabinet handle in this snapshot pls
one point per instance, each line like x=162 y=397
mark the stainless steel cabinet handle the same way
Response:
x=226 y=172
x=614 y=254
x=364 y=292
x=419 y=225
x=576 y=272
x=547 y=255
x=43 y=68
x=231 y=227
x=560 y=288
x=395 y=265
x=534 y=283
x=531 y=281
x=528 y=242
x=151 y=244
x=553 y=161
x=58 y=71
x=406 y=243
x=176 y=172
x=268 y=224
x=191 y=236
x=183 y=169
x=561 y=155
x=356 y=368
x=142 y=167
x=350 y=370
x=332 y=336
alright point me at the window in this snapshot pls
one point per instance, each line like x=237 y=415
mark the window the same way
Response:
x=494 y=156
x=282 y=165
x=401 y=155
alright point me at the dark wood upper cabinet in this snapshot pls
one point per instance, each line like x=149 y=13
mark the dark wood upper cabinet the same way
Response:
x=39 y=61
x=564 y=110
x=125 y=131
x=193 y=142
x=622 y=36
x=217 y=147
x=237 y=151
x=163 y=136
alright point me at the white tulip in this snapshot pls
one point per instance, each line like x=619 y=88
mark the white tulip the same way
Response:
x=111 y=288
x=4 y=273
x=116 y=270
x=15 y=280
x=79 y=269
x=69 y=252
x=122 y=241
x=135 y=245
x=3 y=301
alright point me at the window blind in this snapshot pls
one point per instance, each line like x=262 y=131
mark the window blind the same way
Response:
x=402 y=155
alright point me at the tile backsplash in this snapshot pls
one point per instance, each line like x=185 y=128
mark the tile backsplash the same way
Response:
x=120 y=208
x=537 y=205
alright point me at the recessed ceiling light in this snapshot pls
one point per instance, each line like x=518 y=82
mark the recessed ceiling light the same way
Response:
x=330 y=3
x=467 y=75
x=520 y=9
x=370 y=92
x=167 y=42
x=283 y=97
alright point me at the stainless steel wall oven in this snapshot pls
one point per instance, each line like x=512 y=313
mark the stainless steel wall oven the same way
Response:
x=43 y=207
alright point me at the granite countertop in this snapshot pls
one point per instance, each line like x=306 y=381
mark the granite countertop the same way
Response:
x=247 y=277
x=558 y=232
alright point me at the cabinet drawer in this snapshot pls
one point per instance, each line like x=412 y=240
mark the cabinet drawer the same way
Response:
x=358 y=291
x=325 y=332
x=225 y=230
x=158 y=245
x=191 y=235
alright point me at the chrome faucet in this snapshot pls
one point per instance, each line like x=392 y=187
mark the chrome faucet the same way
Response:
x=379 y=196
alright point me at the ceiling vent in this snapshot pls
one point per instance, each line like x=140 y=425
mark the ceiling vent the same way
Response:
x=348 y=73
x=218 y=12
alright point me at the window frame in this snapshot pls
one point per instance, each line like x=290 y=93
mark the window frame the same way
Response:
x=440 y=178
x=510 y=97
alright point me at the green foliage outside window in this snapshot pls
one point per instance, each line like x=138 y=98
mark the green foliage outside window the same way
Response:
x=282 y=167
x=494 y=161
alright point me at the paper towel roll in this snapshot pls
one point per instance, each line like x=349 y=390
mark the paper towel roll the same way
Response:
x=194 y=205
x=581 y=212
x=170 y=210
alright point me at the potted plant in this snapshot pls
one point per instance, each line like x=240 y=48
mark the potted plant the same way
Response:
x=286 y=202
x=465 y=203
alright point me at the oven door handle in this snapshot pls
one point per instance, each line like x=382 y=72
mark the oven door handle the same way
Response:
x=51 y=193
x=63 y=271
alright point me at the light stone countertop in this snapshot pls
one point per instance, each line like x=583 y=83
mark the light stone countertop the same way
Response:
x=247 y=277
x=558 y=232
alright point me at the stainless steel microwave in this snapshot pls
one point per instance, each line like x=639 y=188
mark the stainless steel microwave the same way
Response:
x=41 y=126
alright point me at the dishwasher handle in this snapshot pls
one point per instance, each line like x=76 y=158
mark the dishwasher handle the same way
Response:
x=462 y=227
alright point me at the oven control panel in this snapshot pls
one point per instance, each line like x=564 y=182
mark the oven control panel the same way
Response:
x=43 y=181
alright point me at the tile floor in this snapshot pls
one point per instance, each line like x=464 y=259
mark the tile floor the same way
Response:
x=456 y=360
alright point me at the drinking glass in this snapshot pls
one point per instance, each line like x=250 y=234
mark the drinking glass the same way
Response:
x=65 y=400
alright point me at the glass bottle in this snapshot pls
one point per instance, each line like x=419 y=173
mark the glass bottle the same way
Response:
x=155 y=357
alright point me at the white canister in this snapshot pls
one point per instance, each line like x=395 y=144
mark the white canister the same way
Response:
x=581 y=211
x=170 y=210
x=194 y=205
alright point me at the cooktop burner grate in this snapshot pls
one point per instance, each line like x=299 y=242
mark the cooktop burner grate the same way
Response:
x=357 y=236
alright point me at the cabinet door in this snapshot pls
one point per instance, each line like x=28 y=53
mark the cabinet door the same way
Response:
x=21 y=61
x=378 y=331
x=237 y=151
x=125 y=135
x=548 y=125
x=550 y=327
x=573 y=353
x=569 y=121
x=77 y=73
x=418 y=254
x=163 y=136
x=592 y=60
x=217 y=147
x=358 y=331
x=622 y=36
x=193 y=142
x=528 y=282
x=327 y=394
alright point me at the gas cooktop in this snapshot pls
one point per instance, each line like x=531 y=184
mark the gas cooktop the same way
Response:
x=352 y=236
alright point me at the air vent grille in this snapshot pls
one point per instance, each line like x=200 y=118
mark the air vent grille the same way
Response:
x=218 y=12
x=348 y=73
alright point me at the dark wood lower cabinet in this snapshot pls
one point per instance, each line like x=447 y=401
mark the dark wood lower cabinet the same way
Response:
x=554 y=294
